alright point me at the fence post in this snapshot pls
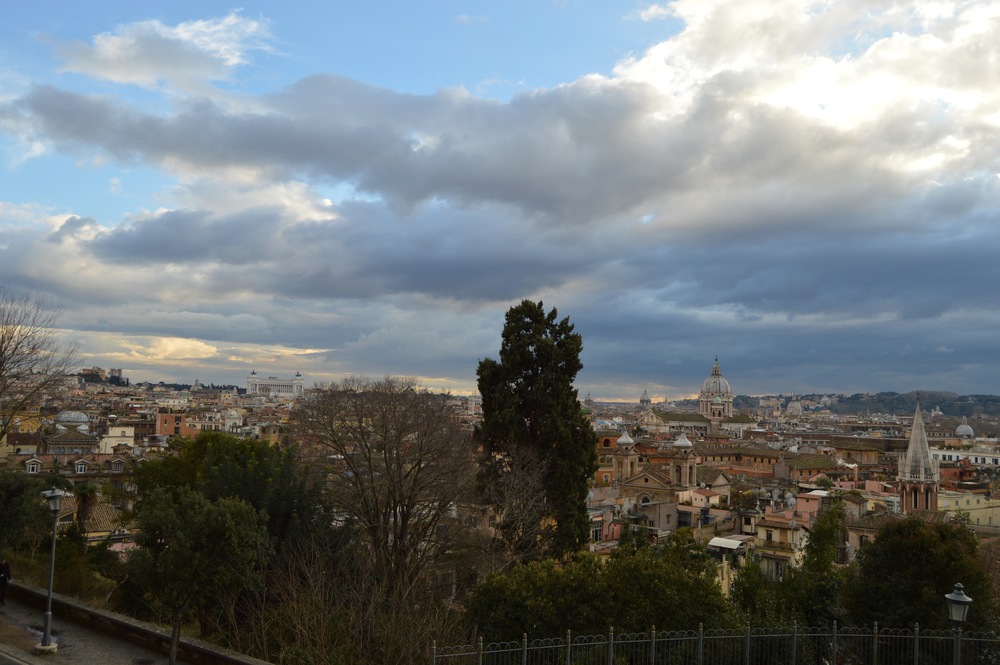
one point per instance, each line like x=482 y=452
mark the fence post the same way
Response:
x=652 y=645
x=795 y=641
x=611 y=645
x=569 y=645
x=434 y=651
x=524 y=649
x=480 y=659
x=875 y=642
x=834 y=654
x=701 y=643
x=916 y=644
x=746 y=648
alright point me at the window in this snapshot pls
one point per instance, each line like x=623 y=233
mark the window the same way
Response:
x=770 y=535
x=595 y=534
x=117 y=466
x=33 y=467
x=81 y=467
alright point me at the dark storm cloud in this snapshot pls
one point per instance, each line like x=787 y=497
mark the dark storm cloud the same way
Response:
x=184 y=236
x=822 y=219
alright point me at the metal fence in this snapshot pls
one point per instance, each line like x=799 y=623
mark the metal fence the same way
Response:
x=791 y=645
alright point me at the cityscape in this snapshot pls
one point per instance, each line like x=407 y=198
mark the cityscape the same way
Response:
x=548 y=331
x=753 y=484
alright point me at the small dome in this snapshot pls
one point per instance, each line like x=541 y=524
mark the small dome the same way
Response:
x=625 y=439
x=683 y=442
x=964 y=430
x=72 y=418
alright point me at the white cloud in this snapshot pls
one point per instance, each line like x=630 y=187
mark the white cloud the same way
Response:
x=185 y=56
x=656 y=12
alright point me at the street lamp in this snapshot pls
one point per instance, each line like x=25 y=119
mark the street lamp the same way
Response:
x=958 y=609
x=54 y=497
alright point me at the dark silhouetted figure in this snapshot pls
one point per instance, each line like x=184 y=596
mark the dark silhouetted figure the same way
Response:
x=4 y=578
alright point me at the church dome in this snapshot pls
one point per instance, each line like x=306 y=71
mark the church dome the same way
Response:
x=964 y=430
x=716 y=384
x=625 y=440
x=72 y=418
x=683 y=441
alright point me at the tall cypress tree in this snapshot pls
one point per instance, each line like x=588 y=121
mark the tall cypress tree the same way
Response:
x=529 y=402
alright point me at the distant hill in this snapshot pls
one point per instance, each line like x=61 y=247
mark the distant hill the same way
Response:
x=950 y=403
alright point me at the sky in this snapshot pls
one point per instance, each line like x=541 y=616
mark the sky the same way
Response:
x=807 y=190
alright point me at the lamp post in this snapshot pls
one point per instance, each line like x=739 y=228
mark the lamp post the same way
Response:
x=958 y=609
x=54 y=497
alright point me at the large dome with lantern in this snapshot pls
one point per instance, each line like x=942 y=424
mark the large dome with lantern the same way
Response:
x=716 y=384
x=716 y=399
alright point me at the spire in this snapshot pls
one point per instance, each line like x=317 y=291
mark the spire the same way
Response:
x=918 y=465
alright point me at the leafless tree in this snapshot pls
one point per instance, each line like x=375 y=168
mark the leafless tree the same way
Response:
x=34 y=360
x=515 y=496
x=402 y=471
x=318 y=607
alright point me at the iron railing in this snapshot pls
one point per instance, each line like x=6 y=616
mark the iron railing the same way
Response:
x=790 y=645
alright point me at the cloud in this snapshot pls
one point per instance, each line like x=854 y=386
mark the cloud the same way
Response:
x=656 y=12
x=807 y=190
x=167 y=349
x=185 y=56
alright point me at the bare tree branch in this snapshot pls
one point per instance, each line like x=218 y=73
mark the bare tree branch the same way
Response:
x=34 y=361
x=402 y=468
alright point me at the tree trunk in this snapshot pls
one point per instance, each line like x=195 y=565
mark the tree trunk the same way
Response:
x=175 y=636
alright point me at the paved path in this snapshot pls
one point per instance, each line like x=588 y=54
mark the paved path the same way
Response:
x=77 y=645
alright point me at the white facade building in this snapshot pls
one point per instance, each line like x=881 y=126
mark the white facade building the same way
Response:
x=272 y=385
x=981 y=457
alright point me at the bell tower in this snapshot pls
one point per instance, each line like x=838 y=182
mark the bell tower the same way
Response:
x=918 y=471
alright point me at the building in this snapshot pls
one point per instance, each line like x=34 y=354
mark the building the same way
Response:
x=981 y=510
x=273 y=386
x=919 y=475
x=781 y=543
x=715 y=402
x=644 y=401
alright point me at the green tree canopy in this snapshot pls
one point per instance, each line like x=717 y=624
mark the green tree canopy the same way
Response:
x=26 y=519
x=529 y=402
x=193 y=552
x=683 y=550
x=630 y=592
x=903 y=575
x=267 y=477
